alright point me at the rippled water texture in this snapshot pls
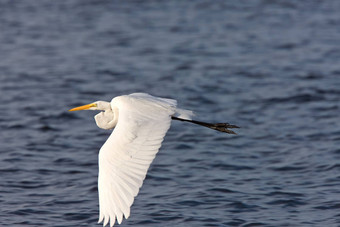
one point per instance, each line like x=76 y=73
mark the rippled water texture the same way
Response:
x=271 y=67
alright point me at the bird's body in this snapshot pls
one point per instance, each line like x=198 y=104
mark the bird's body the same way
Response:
x=140 y=122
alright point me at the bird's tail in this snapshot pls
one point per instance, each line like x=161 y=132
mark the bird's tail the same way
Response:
x=184 y=114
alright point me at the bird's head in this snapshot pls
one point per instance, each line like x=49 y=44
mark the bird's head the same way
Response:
x=98 y=105
x=106 y=119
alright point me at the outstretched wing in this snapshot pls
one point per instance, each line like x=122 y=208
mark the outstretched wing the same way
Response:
x=127 y=154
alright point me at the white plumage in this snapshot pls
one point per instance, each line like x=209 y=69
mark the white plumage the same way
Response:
x=141 y=122
x=127 y=154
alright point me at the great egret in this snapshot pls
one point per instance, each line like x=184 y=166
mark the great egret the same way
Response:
x=140 y=121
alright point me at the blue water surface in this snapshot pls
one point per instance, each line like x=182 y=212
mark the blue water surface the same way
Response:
x=271 y=67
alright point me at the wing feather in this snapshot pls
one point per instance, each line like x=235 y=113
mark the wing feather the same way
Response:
x=127 y=154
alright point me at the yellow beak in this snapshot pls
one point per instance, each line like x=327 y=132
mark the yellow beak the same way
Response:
x=85 y=107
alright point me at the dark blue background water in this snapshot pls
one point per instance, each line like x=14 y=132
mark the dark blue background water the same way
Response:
x=272 y=67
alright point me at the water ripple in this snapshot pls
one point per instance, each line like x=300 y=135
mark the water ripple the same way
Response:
x=271 y=67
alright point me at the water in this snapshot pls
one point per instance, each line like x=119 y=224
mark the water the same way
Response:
x=271 y=67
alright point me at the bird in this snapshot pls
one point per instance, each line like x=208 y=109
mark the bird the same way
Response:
x=140 y=122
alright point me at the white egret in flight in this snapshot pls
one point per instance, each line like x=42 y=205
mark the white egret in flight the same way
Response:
x=140 y=122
